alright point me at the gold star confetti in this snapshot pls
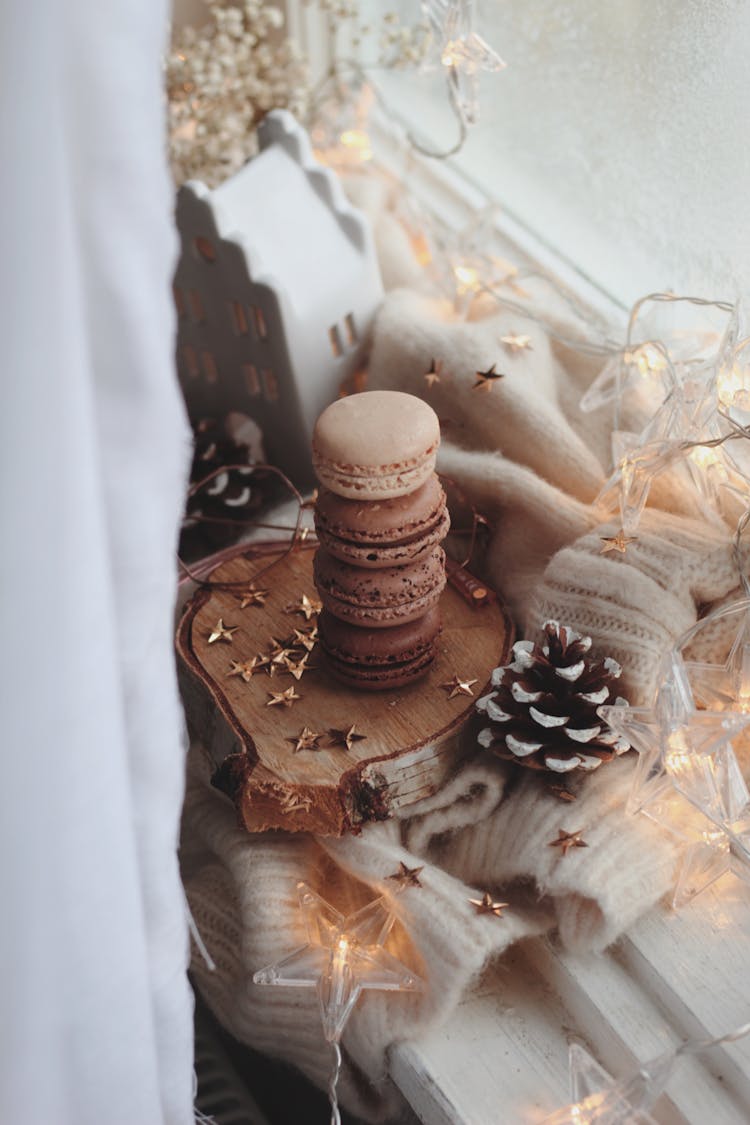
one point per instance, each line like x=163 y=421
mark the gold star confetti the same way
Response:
x=222 y=632
x=341 y=736
x=486 y=379
x=457 y=686
x=433 y=375
x=306 y=740
x=485 y=905
x=299 y=667
x=243 y=668
x=561 y=792
x=515 y=343
x=295 y=802
x=619 y=542
x=306 y=638
x=251 y=596
x=308 y=607
x=282 y=698
x=567 y=840
x=406 y=876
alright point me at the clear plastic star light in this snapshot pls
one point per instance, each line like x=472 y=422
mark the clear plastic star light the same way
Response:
x=343 y=956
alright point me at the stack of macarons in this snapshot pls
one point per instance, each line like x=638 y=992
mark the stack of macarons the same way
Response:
x=380 y=518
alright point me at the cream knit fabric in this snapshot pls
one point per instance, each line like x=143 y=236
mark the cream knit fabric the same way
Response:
x=529 y=460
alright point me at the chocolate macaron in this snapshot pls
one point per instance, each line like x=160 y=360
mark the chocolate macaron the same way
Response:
x=375 y=445
x=379 y=659
x=383 y=532
x=379 y=598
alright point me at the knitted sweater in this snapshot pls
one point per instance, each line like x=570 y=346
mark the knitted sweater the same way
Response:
x=532 y=463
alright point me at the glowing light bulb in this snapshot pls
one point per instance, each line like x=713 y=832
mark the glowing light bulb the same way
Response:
x=705 y=457
x=647 y=358
x=467 y=279
x=357 y=142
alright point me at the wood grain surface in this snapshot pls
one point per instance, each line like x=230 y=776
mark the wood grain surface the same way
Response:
x=412 y=734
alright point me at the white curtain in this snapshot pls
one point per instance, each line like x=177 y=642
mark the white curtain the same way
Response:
x=95 y=1011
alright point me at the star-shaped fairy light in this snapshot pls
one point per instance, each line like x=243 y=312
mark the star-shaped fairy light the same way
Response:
x=458 y=686
x=486 y=905
x=487 y=379
x=515 y=343
x=726 y=687
x=222 y=632
x=252 y=596
x=618 y=542
x=688 y=779
x=307 y=607
x=597 y=1099
x=243 y=668
x=283 y=698
x=567 y=840
x=342 y=957
x=432 y=376
x=344 y=736
x=307 y=739
x=462 y=52
x=406 y=876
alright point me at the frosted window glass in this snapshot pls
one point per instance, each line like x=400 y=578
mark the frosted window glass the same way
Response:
x=620 y=134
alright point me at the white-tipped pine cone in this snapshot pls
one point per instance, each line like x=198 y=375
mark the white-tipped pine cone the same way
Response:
x=543 y=711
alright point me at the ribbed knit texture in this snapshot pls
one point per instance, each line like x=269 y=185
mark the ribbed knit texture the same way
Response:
x=533 y=464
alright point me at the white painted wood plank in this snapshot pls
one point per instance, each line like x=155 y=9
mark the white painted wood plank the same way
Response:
x=503 y=1057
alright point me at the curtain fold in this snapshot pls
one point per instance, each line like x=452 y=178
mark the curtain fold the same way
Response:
x=96 y=1010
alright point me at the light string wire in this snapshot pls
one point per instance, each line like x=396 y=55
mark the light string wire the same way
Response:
x=333 y=1082
x=697 y=1046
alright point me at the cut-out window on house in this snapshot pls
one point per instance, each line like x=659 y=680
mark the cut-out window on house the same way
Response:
x=259 y=321
x=204 y=249
x=209 y=367
x=196 y=306
x=250 y=375
x=351 y=330
x=335 y=337
x=239 y=320
x=270 y=385
x=191 y=361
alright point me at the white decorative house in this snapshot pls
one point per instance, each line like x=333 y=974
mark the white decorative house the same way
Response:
x=276 y=289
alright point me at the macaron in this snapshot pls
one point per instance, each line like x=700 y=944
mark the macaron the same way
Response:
x=380 y=533
x=375 y=445
x=379 y=659
x=380 y=598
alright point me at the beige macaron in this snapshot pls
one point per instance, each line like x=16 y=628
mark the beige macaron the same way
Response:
x=375 y=445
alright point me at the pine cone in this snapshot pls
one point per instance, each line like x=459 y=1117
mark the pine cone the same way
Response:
x=231 y=494
x=543 y=713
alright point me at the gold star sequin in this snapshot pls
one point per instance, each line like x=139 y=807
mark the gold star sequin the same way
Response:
x=299 y=667
x=308 y=607
x=485 y=905
x=306 y=740
x=433 y=375
x=567 y=840
x=343 y=736
x=282 y=698
x=222 y=632
x=406 y=876
x=515 y=343
x=243 y=668
x=619 y=542
x=457 y=686
x=486 y=379
x=251 y=596
x=304 y=638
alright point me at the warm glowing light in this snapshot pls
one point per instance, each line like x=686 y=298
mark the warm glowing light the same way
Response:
x=648 y=359
x=705 y=457
x=358 y=144
x=732 y=386
x=421 y=249
x=467 y=279
x=452 y=54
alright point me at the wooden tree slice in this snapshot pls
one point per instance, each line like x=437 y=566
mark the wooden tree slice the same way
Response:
x=411 y=742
